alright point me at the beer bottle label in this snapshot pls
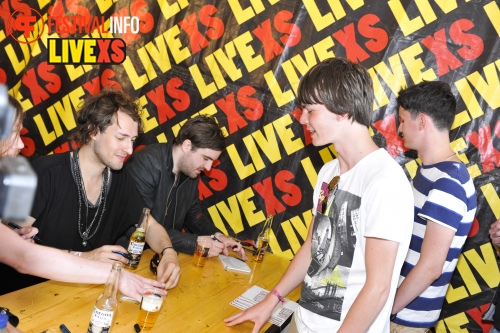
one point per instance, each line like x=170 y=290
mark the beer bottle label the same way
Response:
x=100 y=321
x=135 y=248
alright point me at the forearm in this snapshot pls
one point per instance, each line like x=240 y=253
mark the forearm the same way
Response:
x=182 y=241
x=63 y=266
x=433 y=253
x=365 y=308
x=197 y=222
x=296 y=271
x=413 y=285
x=156 y=236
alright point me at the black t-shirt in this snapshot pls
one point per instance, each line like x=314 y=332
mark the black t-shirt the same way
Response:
x=55 y=207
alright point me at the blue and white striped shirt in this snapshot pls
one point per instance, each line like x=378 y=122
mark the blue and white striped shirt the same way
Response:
x=443 y=193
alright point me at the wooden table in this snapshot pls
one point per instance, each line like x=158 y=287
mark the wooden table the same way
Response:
x=198 y=304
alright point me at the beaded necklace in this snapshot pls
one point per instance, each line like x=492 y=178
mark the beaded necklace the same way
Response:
x=82 y=196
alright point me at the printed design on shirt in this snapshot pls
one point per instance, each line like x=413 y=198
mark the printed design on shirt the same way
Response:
x=332 y=249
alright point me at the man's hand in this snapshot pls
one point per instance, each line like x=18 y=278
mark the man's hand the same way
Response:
x=105 y=254
x=169 y=269
x=27 y=233
x=132 y=284
x=259 y=313
x=231 y=245
x=216 y=247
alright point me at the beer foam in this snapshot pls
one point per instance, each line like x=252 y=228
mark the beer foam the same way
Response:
x=152 y=303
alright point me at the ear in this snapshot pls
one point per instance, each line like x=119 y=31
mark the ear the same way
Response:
x=422 y=121
x=341 y=117
x=186 y=146
x=93 y=135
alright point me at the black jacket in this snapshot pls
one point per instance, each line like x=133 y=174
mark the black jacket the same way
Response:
x=151 y=169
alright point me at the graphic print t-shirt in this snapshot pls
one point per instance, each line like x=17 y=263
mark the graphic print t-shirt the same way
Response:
x=333 y=243
x=373 y=199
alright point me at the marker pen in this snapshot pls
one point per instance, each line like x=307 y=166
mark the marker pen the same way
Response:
x=64 y=329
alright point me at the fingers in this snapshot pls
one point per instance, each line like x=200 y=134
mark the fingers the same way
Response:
x=169 y=270
x=241 y=317
x=173 y=274
x=234 y=320
x=216 y=249
x=242 y=254
x=106 y=254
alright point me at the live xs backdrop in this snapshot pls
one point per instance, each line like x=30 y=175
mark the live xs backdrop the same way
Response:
x=241 y=61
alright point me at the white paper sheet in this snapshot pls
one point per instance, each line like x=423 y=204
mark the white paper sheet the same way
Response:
x=255 y=294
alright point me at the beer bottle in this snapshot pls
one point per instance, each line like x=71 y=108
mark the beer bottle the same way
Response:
x=138 y=240
x=106 y=304
x=263 y=240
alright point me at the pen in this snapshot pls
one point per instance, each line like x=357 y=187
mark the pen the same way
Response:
x=124 y=255
x=216 y=239
x=64 y=328
x=16 y=226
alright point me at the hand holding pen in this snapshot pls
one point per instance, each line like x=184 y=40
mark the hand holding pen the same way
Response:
x=23 y=233
x=230 y=244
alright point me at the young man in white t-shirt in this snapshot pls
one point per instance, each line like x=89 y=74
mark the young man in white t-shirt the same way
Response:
x=363 y=208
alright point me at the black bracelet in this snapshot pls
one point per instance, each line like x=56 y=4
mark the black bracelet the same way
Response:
x=166 y=248
x=393 y=316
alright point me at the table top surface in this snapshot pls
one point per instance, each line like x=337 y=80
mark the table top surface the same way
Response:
x=199 y=303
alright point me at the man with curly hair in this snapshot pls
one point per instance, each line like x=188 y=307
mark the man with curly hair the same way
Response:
x=84 y=202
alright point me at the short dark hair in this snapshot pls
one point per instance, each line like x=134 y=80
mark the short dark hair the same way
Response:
x=98 y=111
x=432 y=98
x=203 y=132
x=341 y=86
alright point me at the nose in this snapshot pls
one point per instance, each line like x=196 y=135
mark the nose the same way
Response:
x=303 y=118
x=19 y=143
x=400 y=132
x=129 y=147
x=208 y=165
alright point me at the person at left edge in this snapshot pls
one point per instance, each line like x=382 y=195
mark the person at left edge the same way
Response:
x=11 y=147
x=84 y=202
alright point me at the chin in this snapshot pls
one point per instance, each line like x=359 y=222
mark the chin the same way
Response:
x=115 y=166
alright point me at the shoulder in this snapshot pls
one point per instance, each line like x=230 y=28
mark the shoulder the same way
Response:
x=450 y=177
x=381 y=165
x=51 y=162
x=154 y=150
x=329 y=168
x=151 y=154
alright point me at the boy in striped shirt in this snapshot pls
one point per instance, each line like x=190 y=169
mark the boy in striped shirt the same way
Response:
x=445 y=205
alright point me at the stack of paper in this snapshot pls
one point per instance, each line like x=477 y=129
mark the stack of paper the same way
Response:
x=234 y=264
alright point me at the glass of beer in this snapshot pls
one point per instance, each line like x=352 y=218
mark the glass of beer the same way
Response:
x=150 y=308
x=201 y=253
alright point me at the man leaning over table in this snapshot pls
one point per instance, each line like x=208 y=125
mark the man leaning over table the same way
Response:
x=167 y=175
x=350 y=261
x=84 y=202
